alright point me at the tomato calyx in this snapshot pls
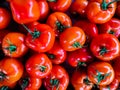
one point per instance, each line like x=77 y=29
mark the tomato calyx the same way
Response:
x=103 y=50
x=83 y=64
x=42 y=68
x=86 y=81
x=4 y=88
x=52 y=0
x=35 y=34
x=60 y=26
x=76 y=45
x=51 y=56
x=111 y=32
x=100 y=76
x=105 y=5
x=24 y=82
x=54 y=83
x=2 y=76
x=12 y=48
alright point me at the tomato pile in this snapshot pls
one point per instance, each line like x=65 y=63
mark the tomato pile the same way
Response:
x=59 y=44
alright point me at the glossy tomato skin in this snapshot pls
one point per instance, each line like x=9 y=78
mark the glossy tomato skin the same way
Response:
x=57 y=79
x=11 y=70
x=105 y=47
x=30 y=83
x=80 y=57
x=5 y=18
x=13 y=44
x=80 y=80
x=89 y=28
x=59 y=22
x=59 y=5
x=44 y=9
x=100 y=73
x=38 y=65
x=24 y=15
x=72 y=38
x=97 y=13
x=111 y=27
x=43 y=40
x=79 y=6
x=112 y=86
x=57 y=54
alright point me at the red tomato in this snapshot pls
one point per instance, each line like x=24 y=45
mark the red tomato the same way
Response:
x=100 y=11
x=44 y=9
x=11 y=71
x=112 y=86
x=89 y=28
x=111 y=27
x=59 y=5
x=100 y=73
x=24 y=11
x=80 y=57
x=72 y=38
x=80 y=80
x=105 y=47
x=58 y=79
x=13 y=44
x=57 y=54
x=40 y=37
x=38 y=66
x=30 y=83
x=5 y=18
x=59 y=22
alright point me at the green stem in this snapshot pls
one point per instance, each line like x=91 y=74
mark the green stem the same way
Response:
x=42 y=68
x=54 y=83
x=24 y=83
x=86 y=81
x=51 y=56
x=81 y=64
x=2 y=76
x=103 y=50
x=35 y=34
x=52 y=0
x=104 y=4
x=76 y=45
x=111 y=32
x=4 y=88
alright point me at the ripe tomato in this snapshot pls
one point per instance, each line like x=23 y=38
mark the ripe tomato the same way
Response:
x=24 y=11
x=112 y=86
x=111 y=27
x=80 y=57
x=89 y=28
x=44 y=9
x=59 y=22
x=59 y=5
x=40 y=37
x=80 y=80
x=100 y=11
x=38 y=65
x=5 y=18
x=72 y=38
x=30 y=83
x=13 y=44
x=79 y=6
x=100 y=73
x=105 y=47
x=58 y=79
x=56 y=54
x=11 y=71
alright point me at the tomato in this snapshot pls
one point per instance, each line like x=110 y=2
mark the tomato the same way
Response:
x=38 y=65
x=44 y=9
x=118 y=9
x=5 y=18
x=59 y=22
x=13 y=44
x=40 y=37
x=89 y=28
x=80 y=57
x=11 y=71
x=112 y=86
x=58 y=79
x=100 y=11
x=59 y=5
x=105 y=47
x=57 y=54
x=9 y=87
x=24 y=11
x=80 y=80
x=100 y=73
x=72 y=38
x=79 y=6
x=30 y=83
x=111 y=27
